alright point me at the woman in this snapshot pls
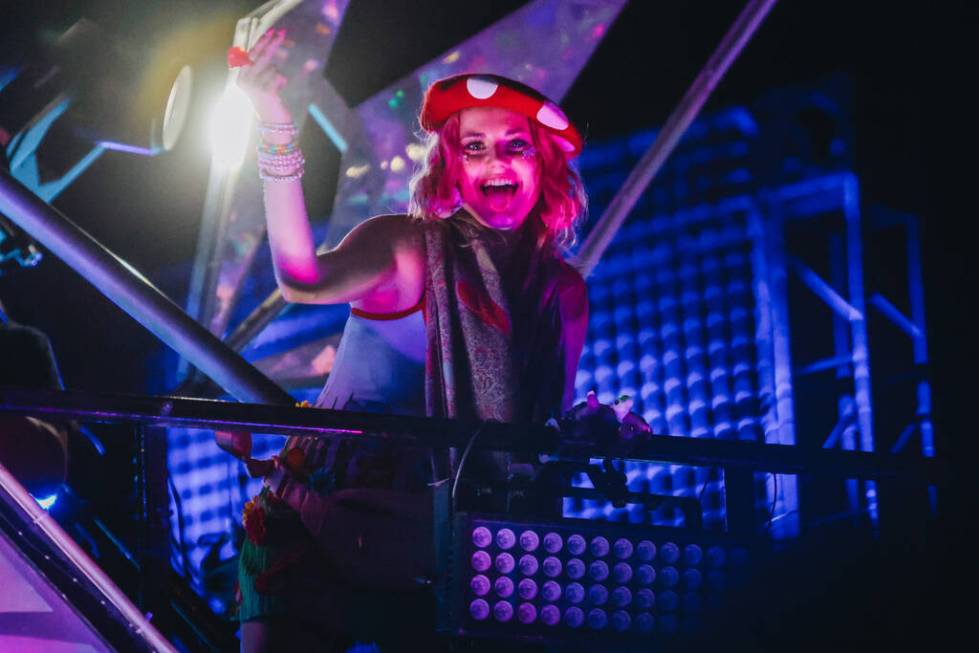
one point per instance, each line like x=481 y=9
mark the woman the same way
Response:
x=463 y=309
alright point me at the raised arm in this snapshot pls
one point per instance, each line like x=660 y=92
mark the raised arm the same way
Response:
x=364 y=267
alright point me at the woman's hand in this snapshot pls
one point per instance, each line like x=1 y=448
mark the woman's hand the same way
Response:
x=262 y=82
x=593 y=419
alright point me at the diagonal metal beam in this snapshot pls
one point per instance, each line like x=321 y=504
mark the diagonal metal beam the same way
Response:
x=686 y=111
x=133 y=293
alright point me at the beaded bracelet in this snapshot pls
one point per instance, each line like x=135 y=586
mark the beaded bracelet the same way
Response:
x=284 y=128
x=264 y=147
x=267 y=176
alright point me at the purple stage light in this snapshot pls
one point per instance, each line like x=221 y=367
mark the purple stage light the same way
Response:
x=645 y=599
x=576 y=568
x=551 y=591
x=526 y=613
x=597 y=619
x=692 y=555
x=574 y=593
x=505 y=539
x=574 y=617
x=550 y=615
x=692 y=579
x=716 y=556
x=645 y=550
x=482 y=537
x=622 y=572
x=480 y=585
x=552 y=567
x=667 y=601
x=527 y=589
x=668 y=577
x=528 y=564
x=645 y=622
x=505 y=563
x=479 y=610
x=645 y=575
x=597 y=595
x=553 y=543
x=576 y=545
x=529 y=541
x=503 y=611
x=599 y=547
x=621 y=621
x=503 y=587
x=669 y=553
x=598 y=570
x=481 y=561
x=621 y=597
x=623 y=549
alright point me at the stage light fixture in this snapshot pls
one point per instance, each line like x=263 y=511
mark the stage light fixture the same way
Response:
x=86 y=94
x=584 y=576
x=230 y=128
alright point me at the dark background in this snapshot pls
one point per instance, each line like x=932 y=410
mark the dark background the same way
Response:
x=913 y=145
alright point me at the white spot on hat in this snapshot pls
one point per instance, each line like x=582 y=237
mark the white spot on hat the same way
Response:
x=553 y=117
x=480 y=87
x=563 y=143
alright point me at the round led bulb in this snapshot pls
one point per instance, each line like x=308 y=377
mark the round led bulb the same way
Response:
x=645 y=599
x=503 y=587
x=597 y=595
x=527 y=589
x=574 y=617
x=482 y=537
x=551 y=591
x=480 y=585
x=669 y=553
x=621 y=597
x=599 y=547
x=528 y=564
x=503 y=611
x=529 y=541
x=692 y=579
x=598 y=570
x=479 y=610
x=505 y=563
x=526 y=613
x=505 y=539
x=576 y=545
x=621 y=621
x=597 y=619
x=623 y=549
x=668 y=577
x=550 y=615
x=576 y=568
x=645 y=551
x=552 y=567
x=645 y=575
x=692 y=555
x=622 y=572
x=667 y=601
x=716 y=556
x=574 y=593
x=553 y=543
x=645 y=622
x=481 y=561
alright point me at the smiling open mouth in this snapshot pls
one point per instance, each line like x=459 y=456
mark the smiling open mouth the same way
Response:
x=499 y=188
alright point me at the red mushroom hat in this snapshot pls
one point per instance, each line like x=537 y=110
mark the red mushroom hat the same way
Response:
x=453 y=94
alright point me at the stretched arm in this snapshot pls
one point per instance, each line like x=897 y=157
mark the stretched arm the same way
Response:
x=366 y=259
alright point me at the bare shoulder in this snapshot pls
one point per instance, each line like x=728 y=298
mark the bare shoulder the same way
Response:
x=400 y=231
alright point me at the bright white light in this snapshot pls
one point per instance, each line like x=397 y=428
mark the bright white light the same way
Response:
x=230 y=128
x=47 y=502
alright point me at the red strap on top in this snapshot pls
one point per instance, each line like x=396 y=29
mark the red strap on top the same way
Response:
x=389 y=316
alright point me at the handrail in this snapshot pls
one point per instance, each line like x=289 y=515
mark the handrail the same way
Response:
x=439 y=433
